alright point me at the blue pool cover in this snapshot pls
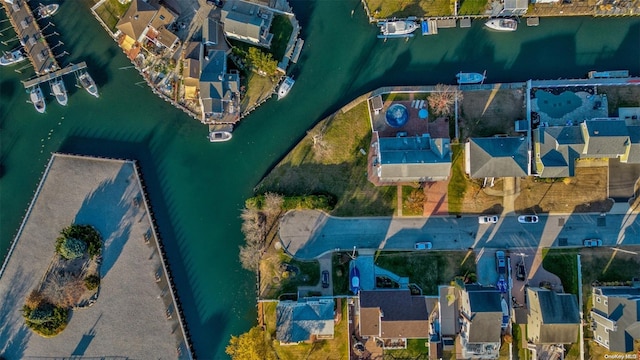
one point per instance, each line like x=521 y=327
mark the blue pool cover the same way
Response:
x=397 y=115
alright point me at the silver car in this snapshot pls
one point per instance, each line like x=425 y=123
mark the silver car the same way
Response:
x=487 y=219
x=528 y=219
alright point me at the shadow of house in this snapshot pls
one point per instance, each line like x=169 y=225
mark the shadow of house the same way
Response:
x=304 y=320
x=106 y=209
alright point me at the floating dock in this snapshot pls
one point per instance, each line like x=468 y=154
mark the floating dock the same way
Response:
x=53 y=75
x=429 y=27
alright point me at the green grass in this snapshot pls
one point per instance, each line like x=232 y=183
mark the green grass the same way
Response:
x=522 y=353
x=458 y=179
x=472 y=7
x=281 y=29
x=430 y=269
x=382 y=9
x=337 y=167
x=415 y=350
x=309 y=274
x=111 y=11
x=340 y=273
x=258 y=87
x=564 y=264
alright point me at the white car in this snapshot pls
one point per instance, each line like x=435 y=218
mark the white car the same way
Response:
x=425 y=245
x=592 y=242
x=528 y=219
x=487 y=219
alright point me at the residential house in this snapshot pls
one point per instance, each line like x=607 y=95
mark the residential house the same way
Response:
x=497 y=157
x=146 y=20
x=247 y=22
x=557 y=148
x=219 y=89
x=304 y=320
x=482 y=318
x=393 y=316
x=615 y=316
x=210 y=32
x=191 y=69
x=415 y=158
x=553 y=317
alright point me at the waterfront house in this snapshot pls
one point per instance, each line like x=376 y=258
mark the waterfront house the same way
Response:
x=304 y=320
x=553 y=317
x=247 y=22
x=497 y=157
x=219 y=90
x=481 y=320
x=615 y=316
x=557 y=148
x=412 y=159
x=393 y=316
x=210 y=32
x=146 y=21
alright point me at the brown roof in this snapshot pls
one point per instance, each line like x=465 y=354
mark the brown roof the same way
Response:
x=166 y=37
x=400 y=314
x=191 y=72
x=163 y=17
x=136 y=19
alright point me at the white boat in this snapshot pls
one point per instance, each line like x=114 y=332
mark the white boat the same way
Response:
x=37 y=99
x=13 y=57
x=59 y=91
x=219 y=136
x=46 y=11
x=400 y=28
x=502 y=24
x=469 y=78
x=285 y=87
x=88 y=84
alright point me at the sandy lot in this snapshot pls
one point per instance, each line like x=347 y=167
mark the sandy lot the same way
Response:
x=489 y=112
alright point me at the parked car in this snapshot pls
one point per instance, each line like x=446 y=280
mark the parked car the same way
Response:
x=424 y=245
x=487 y=219
x=501 y=263
x=592 y=242
x=520 y=271
x=528 y=219
x=325 y=279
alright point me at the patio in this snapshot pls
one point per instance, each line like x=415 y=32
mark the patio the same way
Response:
x=567 y=106
x=414 y=126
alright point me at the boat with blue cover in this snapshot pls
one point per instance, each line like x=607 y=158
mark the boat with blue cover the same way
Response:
x=354 y=280
x=470 y=78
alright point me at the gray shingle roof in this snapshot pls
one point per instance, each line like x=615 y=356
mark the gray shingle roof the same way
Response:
x=486 y=314
x=403 y=315
x=634 y=151
x=297 y=321
x=623 y=307
x=498 y=157
x=414 y=158
x=558 y=147
x=605 y=138
x=556 y=315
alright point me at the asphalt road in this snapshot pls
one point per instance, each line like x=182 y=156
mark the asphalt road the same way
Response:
x=308 y=234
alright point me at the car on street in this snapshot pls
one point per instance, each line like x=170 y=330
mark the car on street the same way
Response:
x=501 y=263
x=424 y=245
x=520 y=272
x=325 y=279
x=592 y=242
x=487 y=219
x=528 y=219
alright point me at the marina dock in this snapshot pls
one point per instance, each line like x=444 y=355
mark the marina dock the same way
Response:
x=53 y=75
x=31 y=38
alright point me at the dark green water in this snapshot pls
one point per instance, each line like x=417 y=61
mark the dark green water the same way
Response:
x=198 y=188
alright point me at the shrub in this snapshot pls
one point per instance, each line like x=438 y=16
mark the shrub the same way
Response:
x=34 y=299
x=92 y=282
x=46 y=319
x=71 y=248
x=85 y=233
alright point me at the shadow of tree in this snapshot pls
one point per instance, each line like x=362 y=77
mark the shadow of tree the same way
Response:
x=14 y=335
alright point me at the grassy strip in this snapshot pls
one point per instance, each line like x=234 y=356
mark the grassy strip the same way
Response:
x=281 y=29
x=340 y=266
x=417 y=349
x=383 y=9
x=472 y=7
x=458 y=179
x=309 y=274
x=564 y=264
x=334 y=165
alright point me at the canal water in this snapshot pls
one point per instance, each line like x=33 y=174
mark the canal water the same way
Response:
x=196 y=188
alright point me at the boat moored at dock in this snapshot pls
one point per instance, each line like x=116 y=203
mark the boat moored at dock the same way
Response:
x=220 y=136
x=59 y=91
x=48 y=10
x=470 y=78
x=37 y=99
x=285 y=87
x=502 y=24
x=12 y=57
x=88 y=84
x=399 y=28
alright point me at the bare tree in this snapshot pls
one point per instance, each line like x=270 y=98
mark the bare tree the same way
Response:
x=443 y=99
x=320 y=145
x=272 y=205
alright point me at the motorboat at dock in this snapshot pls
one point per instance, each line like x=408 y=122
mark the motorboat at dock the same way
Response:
x=219 y=136
x=354 y=280
x=399 y=28
x=48 y=10
x=12 y=57
x=88 y=84
x=285 y=87
x=59 y=91
x=37 y=99
x=502 y=24
x=469 y=78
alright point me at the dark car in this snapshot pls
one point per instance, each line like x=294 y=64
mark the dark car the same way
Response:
x=520 y=273
x=325 y=279
x=501 y=263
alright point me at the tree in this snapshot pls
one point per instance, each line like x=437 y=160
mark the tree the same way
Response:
x=251 y=345
x=71 y=248
x=262 y=62
x=443 y=99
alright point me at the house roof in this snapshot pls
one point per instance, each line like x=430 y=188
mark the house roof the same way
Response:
x=498 y=157
x=558 y=315
x=394 y=314
x=136 y=19
x=191 y=72
x=164 y=17
x=210 y=32
x=623 y=307
x=192 y=50
x=166 y=37
x=297 y=321
x=486 y=314
x=633 y=156
x=414 y=158
x=605 y=138
x=241 y=18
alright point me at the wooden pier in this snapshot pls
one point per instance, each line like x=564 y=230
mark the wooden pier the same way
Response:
x=31 y=37
x=52 y=75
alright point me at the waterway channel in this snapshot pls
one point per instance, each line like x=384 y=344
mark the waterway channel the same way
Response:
x=196 y=188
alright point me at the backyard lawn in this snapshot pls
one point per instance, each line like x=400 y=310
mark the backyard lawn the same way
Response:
x=430 y=269
x=110 y=12
x=258 y=88
x=458 y=181
x=383 y=9
x=280 y=274
x=417 y=349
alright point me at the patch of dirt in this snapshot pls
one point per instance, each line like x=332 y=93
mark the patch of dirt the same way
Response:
x=620 y=96
x=584 y=192
x=477 y=201
x=63 y=284
x=499 y=116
